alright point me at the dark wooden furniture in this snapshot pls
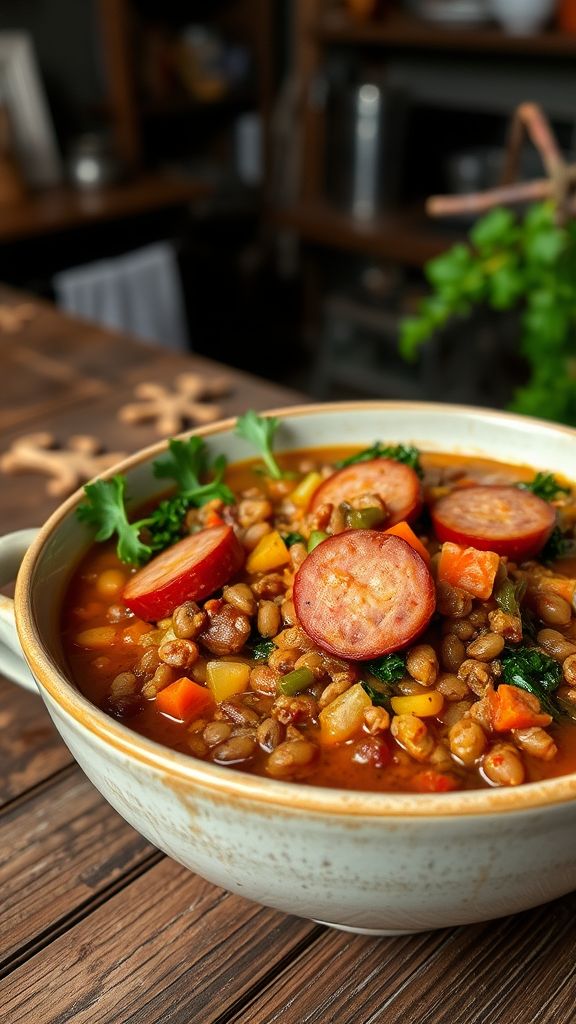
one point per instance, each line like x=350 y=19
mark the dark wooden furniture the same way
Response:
x=123 y=109
x=247 y=20
x=98 y=926
x=61 y=209
x=323 y=27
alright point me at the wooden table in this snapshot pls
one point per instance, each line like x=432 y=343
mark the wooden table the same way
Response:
x=98 y=927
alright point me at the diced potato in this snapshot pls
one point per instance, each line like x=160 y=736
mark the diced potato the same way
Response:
x=420 y=704
x=305 y=489
x=225 y=678
x=133 y=634
x=96 y=637
x=344 y=716
x=270 y=553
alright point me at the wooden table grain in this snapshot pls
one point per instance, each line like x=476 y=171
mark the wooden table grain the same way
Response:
x=99 y=927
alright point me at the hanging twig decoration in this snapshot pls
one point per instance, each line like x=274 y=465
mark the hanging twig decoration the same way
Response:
x=528 y=120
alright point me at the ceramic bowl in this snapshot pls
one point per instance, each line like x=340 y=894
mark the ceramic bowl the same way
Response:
x=366 y=862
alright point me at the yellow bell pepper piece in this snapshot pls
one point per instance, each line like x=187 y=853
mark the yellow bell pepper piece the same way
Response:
x=343 y=717
x=225 y=678
x=270 y=553
x=420 y=704
x=303 y=492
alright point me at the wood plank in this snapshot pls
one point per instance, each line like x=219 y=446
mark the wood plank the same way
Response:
x=171 y=947
x=30 y=748
x=43 y=387
x=24 y=499
x=475 y=975
x=60 y=849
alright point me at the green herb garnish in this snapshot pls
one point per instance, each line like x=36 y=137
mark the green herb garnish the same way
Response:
x=262 y=649
x=105 y=512
x=260 y=431
x=558 y=545
x=532 y=670
x=388 y=669
x=293 y=538
x=187 y=463
x=105 y=508
x=379 y=694
x=400 y=453
x=546 y=486
x=164 y=527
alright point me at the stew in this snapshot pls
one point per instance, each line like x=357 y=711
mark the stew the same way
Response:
x=377 y=621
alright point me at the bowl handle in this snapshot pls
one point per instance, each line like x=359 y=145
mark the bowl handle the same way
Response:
x=13 y=547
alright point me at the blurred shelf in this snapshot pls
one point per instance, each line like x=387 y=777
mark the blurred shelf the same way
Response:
x=402 y=31
x=62 y=208
x=403 y=235
x=182 y=106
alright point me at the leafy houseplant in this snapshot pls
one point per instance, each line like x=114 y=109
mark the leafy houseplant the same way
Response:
x=527 y=264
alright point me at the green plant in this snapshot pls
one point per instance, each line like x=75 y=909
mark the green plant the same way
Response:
x=527 y=263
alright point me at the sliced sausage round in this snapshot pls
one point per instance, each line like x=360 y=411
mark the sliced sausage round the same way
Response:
x=398 y=486
x=363 y=593
x=506 y=520
x=192 y=569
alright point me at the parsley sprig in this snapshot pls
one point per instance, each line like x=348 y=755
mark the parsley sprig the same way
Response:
x=105 y=512
x=260 y=431
x=105 y=507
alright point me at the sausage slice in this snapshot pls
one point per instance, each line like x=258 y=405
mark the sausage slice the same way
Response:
x=362 y=593
x=506 y=520
x=398 y=486
x=189 y=570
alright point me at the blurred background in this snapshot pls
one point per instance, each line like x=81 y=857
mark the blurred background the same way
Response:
x=246 y=178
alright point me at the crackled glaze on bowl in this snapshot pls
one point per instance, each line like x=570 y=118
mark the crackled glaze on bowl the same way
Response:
x=370 y=862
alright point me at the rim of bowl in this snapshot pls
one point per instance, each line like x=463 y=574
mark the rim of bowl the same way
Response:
x=181 y=769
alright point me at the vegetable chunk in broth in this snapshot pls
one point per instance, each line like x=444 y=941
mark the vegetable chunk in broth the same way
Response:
x=383 y=620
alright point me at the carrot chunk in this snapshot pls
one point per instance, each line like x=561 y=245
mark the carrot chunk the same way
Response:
x=183 y=699
x=406 y=532
x=431 y=781
x=468 y=568
x=513 y=708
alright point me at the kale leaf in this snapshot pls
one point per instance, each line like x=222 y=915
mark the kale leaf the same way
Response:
x=532 y=670
x=379 y=694
x=407 y=454
x=388 y=669
x=546 y=486
x=262 y=648
x=558 y=545
x=293 y=538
